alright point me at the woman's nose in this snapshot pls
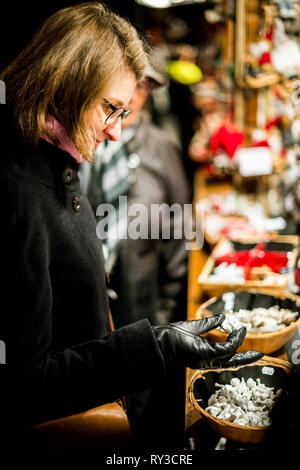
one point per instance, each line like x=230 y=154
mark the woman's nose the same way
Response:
x=113 y=131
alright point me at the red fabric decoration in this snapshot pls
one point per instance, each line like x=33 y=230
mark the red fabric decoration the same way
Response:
x=227 y=139
x=255 y=258
x=265 y=58
x=260 y=143
x=273 y=122
x=268 y=33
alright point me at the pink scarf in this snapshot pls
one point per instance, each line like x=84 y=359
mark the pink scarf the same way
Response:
x=63 y=141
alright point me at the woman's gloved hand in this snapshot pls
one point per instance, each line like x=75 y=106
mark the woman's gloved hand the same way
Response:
x=181 y=344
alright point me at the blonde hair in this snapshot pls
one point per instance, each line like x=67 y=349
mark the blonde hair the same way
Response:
x=66 y=67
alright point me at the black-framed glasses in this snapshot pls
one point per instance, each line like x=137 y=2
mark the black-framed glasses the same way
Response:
x=116 y=112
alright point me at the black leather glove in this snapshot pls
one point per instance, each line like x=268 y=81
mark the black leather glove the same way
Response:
x=181 y=344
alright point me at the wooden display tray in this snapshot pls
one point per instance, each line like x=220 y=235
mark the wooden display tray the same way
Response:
x=218 y=288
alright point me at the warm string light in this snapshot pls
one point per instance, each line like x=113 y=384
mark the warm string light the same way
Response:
x=166 y=3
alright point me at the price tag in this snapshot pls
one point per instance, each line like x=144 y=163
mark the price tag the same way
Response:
x=267 y=370
x=228 y=299
x=255 y=161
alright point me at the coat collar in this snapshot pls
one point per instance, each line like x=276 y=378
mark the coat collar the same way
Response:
x=45 y=163
x=62 y=140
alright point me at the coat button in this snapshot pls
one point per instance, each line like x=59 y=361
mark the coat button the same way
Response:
x=131 y=178
x=134 y=161
x=68 y=175
x=76 y=204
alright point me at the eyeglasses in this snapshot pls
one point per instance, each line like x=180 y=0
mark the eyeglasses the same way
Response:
x=115 y=112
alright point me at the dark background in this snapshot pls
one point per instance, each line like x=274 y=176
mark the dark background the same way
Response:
x=20 y=20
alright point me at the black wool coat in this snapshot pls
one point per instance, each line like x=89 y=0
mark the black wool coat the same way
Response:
x=61 y=357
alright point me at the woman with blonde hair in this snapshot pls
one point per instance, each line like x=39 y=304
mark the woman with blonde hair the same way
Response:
x=67 y=91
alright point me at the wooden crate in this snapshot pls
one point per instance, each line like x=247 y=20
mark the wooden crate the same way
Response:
x=217 y=288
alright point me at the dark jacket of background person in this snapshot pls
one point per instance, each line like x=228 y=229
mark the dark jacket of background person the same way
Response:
x=54 y=314
x=150 y=275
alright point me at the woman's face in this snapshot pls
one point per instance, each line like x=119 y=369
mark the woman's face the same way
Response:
x=118 y=95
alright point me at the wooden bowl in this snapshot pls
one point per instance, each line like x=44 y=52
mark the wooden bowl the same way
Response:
x=249 y=299
x=272 y=372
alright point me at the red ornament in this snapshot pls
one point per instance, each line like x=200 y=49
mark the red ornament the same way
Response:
x=228 y=139
x=265 y=58
x=255 y=258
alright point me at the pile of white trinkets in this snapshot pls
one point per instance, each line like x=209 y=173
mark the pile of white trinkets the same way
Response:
x=258 y=320
x=247 y=403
